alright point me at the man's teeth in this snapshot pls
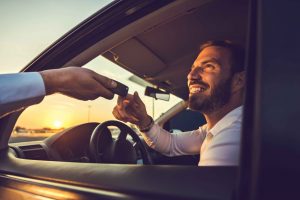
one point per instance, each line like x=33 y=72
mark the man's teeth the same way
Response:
x=197 y=89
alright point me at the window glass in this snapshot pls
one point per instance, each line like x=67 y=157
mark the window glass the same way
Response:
x=58 y=112
x=28 y=27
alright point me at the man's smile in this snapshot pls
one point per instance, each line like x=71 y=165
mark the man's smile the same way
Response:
x=197 y=88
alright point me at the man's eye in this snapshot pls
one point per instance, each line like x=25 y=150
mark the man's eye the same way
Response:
x=209 y=67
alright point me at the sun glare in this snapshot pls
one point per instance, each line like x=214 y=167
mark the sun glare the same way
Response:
x=57 y=124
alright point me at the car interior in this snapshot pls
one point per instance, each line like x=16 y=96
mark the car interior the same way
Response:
x=164 y=63
x=156 y=41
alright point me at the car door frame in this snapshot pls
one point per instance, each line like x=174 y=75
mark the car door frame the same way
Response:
x=269 y=131
x=270 y=144
x=35 y=179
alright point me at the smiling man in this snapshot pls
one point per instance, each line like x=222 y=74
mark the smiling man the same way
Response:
x=216 y=87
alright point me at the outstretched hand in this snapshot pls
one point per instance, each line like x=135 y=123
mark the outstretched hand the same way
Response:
x=131 y=109
x=77 y=82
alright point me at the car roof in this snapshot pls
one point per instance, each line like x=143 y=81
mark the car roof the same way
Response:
x=163 y=53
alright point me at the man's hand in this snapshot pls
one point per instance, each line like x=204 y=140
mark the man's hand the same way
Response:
x=77 y=82
x=132 y=109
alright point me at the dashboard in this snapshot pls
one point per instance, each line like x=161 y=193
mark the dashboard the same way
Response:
x=72 y=145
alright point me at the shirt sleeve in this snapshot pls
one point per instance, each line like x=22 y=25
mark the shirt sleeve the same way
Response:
x=170 y=144
x=20 y=90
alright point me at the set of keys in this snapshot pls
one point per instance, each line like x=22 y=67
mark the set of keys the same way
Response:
x=121 y=89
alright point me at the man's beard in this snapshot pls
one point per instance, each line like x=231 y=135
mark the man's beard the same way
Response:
x=219 y=97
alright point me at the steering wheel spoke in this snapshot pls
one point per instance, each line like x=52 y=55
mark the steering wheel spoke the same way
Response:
x=104 y=149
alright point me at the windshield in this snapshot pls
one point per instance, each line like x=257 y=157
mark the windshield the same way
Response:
x=58 y=112
x=27 y=33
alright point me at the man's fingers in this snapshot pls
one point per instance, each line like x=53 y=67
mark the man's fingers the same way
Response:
x=137 y=98
x=116 y=114
x=104 y=92
x=132 y=112
x=119 y=115
x=79 y=83
x=103 y=85
x=106 y=82
x=120 y=100
x=129 y=97
x=123 y=114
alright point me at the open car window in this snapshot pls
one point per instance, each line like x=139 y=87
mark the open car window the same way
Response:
x=172 y=182
x=57 y=112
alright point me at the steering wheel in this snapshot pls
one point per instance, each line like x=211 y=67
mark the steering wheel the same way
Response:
x=105 y=149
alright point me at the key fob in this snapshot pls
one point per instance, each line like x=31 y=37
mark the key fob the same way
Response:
x=121 y=89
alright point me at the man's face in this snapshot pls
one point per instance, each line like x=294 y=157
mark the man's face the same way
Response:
x=209 y=80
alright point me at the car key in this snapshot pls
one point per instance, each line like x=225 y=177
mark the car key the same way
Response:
x=121 y=89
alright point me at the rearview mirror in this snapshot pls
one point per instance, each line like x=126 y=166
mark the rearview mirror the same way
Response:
x=157 y=93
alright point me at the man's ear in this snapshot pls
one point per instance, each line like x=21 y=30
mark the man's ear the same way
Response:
x=238 y=81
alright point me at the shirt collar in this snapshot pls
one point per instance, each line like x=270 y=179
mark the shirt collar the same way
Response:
x=227 y=120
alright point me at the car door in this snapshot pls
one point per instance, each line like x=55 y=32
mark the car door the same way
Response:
x=270 y=148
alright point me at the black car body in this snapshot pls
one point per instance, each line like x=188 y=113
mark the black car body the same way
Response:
x=165 y=36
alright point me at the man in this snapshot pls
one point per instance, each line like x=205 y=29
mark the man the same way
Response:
x=24 y=89
x=216 y=84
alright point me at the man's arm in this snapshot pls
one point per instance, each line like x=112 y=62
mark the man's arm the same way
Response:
x=132 y=109
x=24 y=89
x=174 y=144
x=20 y=90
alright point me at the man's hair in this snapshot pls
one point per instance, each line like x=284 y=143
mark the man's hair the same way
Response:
x=237 y=53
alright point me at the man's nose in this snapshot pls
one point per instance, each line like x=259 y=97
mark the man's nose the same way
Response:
x=194 y=74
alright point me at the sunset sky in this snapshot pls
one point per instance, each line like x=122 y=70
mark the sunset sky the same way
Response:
x=27 y=28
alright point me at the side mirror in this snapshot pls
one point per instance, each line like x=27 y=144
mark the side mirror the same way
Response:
x=157 y=93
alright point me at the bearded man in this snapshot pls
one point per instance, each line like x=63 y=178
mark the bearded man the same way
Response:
x=216 y=85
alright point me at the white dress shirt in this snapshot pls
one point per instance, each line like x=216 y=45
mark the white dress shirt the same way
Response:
x=20 y=90
x=219 y=146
